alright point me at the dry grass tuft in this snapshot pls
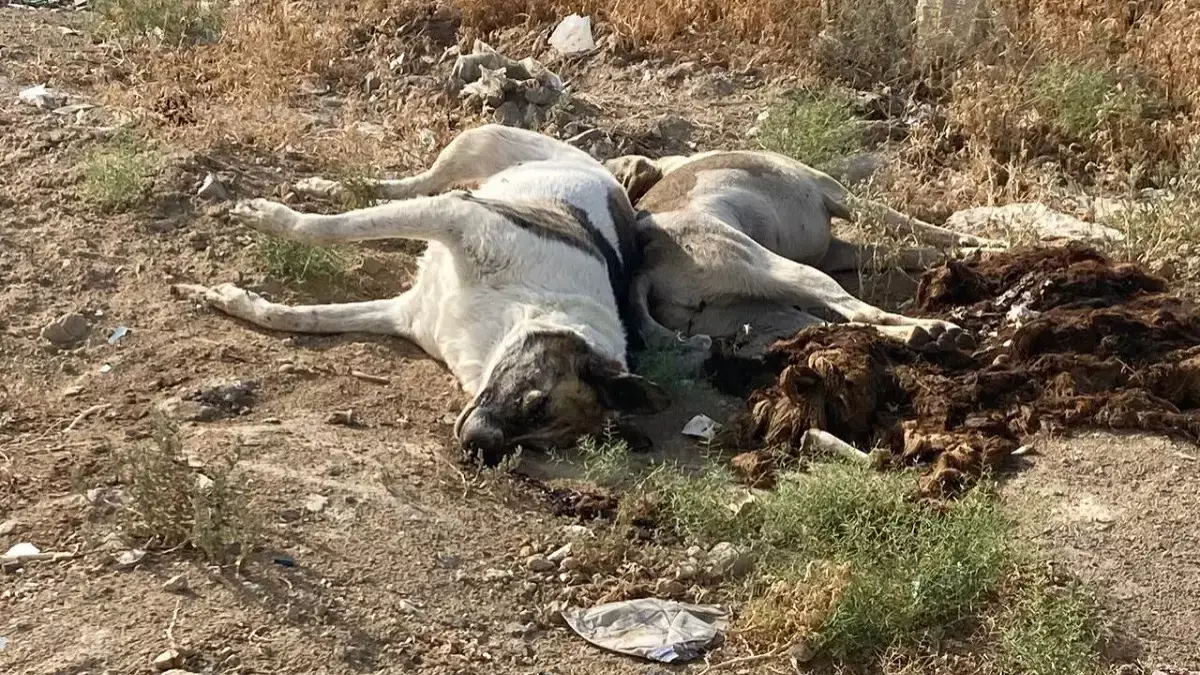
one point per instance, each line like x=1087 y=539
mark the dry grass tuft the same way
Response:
x=175 y=506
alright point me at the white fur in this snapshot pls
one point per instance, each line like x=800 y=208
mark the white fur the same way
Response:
x=483 y=282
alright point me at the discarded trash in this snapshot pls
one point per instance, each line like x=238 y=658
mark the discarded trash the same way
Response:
x=701 y=426
x=3 y=643
x=284 y=560
x=129 y=559
x=106 y=368
x=573 y=35
x=659 y=630
x=815 y=440
x=117 y=334
x=42 y=97
x=22 y=550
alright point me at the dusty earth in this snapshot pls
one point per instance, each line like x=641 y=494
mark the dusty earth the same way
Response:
x=410 y=564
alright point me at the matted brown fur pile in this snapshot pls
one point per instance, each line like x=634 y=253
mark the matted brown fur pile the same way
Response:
x=1068 y=339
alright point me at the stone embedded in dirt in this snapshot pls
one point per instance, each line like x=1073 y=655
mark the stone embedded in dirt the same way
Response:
x=212 y=189
x=177 y=584
x=687 y=571
x=168 y=660
x=559 y=555
x=573 y=35
x=316 y=503
x=129 y=559
x=8 y=527
x=343 y=418
x=800 y=654
x=1046 y=223
x=578 y=531
x=42 y=97
x=493 y=575
x=540 y=564
x=509 y=114
x=67 y=330
x=726 y=560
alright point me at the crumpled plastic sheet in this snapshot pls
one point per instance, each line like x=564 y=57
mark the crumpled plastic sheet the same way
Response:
x=658 y=630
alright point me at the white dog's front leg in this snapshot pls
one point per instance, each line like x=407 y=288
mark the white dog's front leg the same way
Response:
x=384 y=317
x=438 y=218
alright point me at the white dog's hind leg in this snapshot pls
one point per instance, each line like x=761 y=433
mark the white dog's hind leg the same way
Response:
x=472 y=156
x=383 y=317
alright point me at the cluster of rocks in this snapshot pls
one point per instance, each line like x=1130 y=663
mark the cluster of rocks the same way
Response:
x=514 y=93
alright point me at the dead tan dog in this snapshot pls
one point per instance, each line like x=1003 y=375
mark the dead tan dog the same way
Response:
x=740 y=245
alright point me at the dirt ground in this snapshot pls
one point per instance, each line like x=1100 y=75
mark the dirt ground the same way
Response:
x=410 y=565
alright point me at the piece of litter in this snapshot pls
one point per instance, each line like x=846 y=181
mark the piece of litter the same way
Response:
x=3 y=643
x=701 y=426
x=649 y=628
x=22 y=550
x=105 y=368
x=129 y=559
x=573 y=35
x=117 y=334
x=41 y=96
x=815 y=440
x=284 y=560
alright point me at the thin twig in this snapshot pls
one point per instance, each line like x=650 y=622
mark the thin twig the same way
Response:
x=171 y=627
x=84 y=415
x=377 y=379
x=741 y=660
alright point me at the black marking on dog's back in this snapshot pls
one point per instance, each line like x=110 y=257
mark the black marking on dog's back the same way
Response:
x=583 y=235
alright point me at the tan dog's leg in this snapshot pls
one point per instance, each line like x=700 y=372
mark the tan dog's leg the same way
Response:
x=721 y=266
x=844 y=256
x=472 y=156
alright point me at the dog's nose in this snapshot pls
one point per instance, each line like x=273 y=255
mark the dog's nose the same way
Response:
x=482 y=439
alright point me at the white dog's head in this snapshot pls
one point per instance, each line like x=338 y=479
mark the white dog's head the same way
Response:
x=546 y=391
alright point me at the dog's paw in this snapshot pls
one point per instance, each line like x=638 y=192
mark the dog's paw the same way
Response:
x=230 y=299
x=266 y=216
x=320 y=187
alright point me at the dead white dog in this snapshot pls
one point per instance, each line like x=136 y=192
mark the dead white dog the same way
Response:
x=740 y=244
x=518 y=293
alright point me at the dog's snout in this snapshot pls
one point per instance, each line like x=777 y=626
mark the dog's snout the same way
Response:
x=480 y=437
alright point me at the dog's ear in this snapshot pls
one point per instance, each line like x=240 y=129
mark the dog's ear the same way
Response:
x=622 y=390
x=637 y=174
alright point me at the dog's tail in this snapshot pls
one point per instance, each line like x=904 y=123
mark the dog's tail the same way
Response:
x=837 y=200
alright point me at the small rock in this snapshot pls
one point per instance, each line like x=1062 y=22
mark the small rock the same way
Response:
x=573 y=35
x=316 y=503
x=407 y=607
x=494 y=575
x=509 y=114
x=569 y=564
x=800 y=654
x=372 y=82
x=8 y=527
x=204 y=483
x=1046 y=223
x=578 y=531
x=129 y=559
x=42 y=97
x=343 y=418
x=694 y=553
x=687 y=571
x=177 y=584
x=212 y=189
x=669 y=588
x=560 y=555
x=168 y=660
x=66 y=330
x=727 y=560
x=540 y=564
x=22 y=550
